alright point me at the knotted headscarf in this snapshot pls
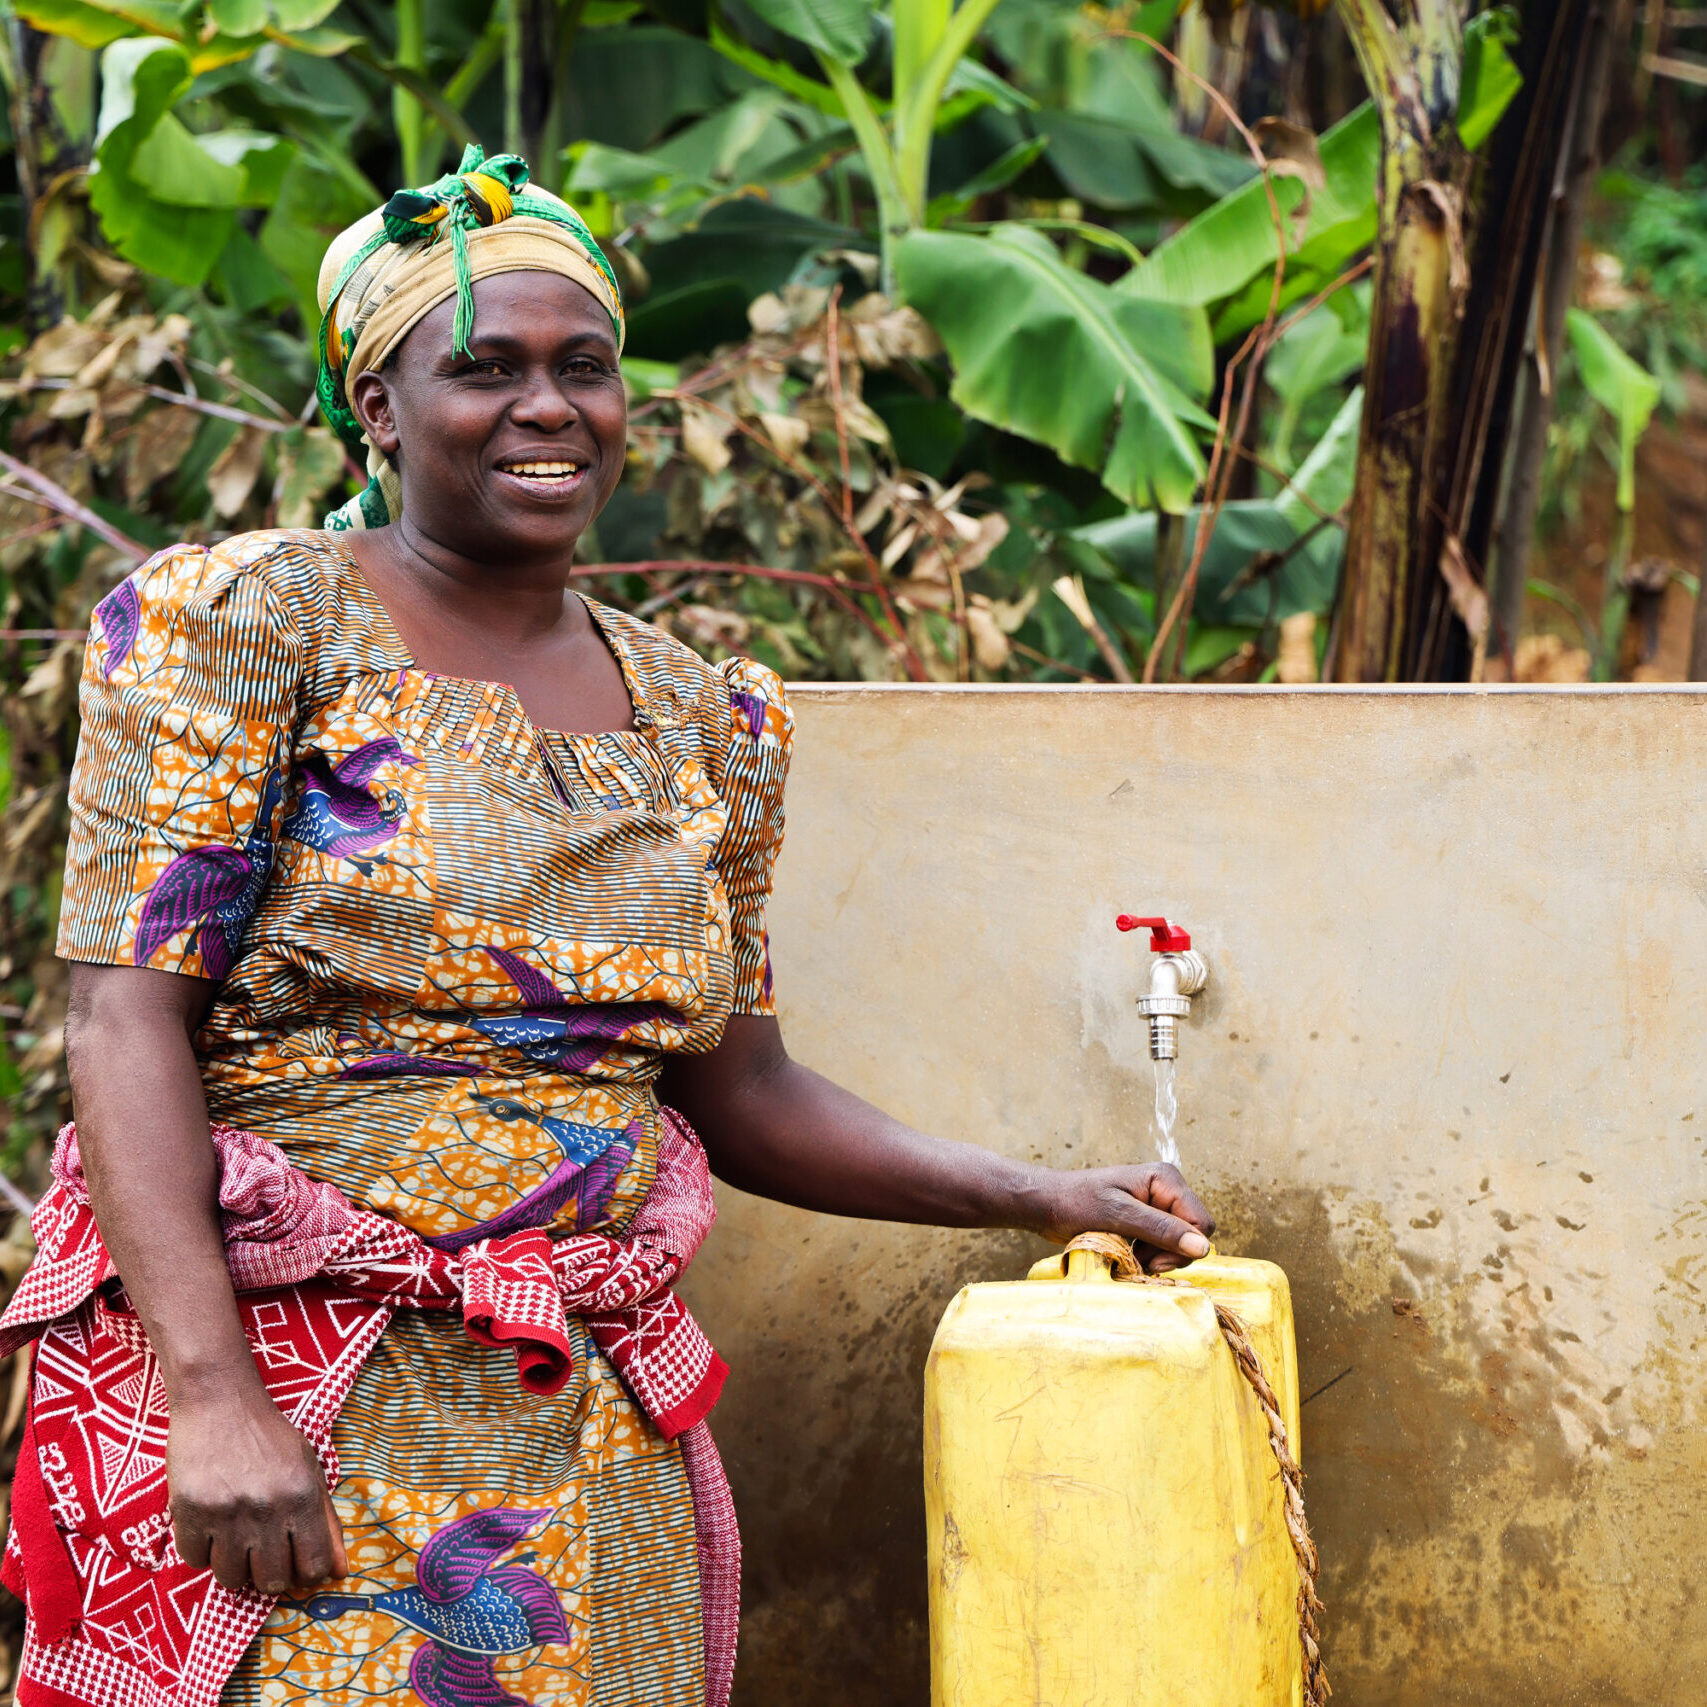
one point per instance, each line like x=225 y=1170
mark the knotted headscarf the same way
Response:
x=393 y=267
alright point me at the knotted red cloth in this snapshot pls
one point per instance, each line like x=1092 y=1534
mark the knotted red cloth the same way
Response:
x=115 y=1615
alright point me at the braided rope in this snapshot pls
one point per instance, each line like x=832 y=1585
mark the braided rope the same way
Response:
x=1233 y=1331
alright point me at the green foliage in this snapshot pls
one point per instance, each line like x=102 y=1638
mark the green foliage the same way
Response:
x=837 y=29
x=1109 y=381
x=1622 y=386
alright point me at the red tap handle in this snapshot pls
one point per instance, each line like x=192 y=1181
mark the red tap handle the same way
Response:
x=1164 y=938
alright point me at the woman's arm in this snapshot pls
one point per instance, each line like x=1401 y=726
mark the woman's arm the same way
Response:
x=774 y=1127
x=248 y=1497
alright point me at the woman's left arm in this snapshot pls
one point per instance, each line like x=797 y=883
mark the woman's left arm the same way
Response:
x=775 y=1128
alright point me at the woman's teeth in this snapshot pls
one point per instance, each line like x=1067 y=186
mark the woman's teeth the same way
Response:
x=542 y=470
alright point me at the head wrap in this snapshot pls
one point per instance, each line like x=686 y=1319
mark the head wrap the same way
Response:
x=393 y=267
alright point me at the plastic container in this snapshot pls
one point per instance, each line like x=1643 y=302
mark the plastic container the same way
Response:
x=1104 y=1513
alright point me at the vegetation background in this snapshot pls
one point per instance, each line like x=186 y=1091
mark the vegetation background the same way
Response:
x=1023 y=340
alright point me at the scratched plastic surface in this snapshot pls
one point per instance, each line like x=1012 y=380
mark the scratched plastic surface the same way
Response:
x=1104 y=1515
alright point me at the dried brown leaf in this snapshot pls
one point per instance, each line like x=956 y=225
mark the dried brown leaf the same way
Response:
x=707 y=627
x=788 y=433
x=1291 y=152
x=158 y=446
x=235 y=471
x=1469 y=598
x=705 y=436
x=1296 y=664
x=64 y=350
x=989 y=643
x=1546 y=658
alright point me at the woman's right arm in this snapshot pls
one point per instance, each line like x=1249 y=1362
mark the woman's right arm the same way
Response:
x=248 y=1497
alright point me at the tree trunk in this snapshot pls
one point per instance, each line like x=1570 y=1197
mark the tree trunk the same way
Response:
x=1444 y=359
x=1576 y=164
x=33 y=158
x=1418 y=289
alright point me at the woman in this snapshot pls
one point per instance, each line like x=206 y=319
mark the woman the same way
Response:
x=394 y=851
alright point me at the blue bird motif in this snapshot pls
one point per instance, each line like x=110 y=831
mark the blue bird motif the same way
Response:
x=338 y=813
x=471 y=1609
x=553 y=1030
x=593 y=1158
x=216 y=888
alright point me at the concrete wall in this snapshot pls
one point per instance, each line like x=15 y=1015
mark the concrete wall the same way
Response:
x=1448 y=1072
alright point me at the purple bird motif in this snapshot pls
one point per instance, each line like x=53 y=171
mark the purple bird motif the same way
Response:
x=751 y=708
x=120 y=617
x=394 y=1064
x=471 y=1609
x=214 y=888
x=556 y=1032
x=593 y=1158
x=339 y=813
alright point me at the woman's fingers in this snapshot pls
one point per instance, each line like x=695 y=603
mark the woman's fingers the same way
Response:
x=1148 y=1225
x=228 y=1559
x=270 y=1560
x=1167 y=1190
x=317 y=1548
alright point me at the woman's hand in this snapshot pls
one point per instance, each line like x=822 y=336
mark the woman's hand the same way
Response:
x=248 y=1497
x=1151 y=1205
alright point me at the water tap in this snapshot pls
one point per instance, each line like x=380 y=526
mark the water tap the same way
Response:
x=1176 y=975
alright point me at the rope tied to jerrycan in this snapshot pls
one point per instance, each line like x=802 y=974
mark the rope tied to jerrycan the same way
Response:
x=1233 y=1331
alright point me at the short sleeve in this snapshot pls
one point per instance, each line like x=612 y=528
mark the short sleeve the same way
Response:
x=188 y=705
x=751 y=779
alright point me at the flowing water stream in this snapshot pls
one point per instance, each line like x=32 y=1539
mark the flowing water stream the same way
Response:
x=1167 y=1112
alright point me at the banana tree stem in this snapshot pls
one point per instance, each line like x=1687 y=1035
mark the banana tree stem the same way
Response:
x=915 y=107
x=893 y=214
x=406 y=110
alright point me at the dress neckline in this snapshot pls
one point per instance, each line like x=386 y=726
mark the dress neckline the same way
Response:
x=639 y=710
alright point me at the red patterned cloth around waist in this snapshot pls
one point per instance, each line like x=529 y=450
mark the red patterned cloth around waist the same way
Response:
x=114 y=1614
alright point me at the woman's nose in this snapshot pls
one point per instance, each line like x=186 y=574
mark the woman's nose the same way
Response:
x=543 y=403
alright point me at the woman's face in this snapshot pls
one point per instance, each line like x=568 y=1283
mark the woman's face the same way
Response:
x=508 y=451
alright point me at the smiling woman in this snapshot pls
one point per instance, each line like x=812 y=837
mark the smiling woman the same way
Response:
x=407 y=889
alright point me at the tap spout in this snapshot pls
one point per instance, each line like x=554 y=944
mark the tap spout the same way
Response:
x=1176 y=975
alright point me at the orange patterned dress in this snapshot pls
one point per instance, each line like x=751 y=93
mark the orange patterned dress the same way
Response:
x=453 y=952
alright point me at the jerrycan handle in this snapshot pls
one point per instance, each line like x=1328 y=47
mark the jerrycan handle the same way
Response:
x=1094 y=1256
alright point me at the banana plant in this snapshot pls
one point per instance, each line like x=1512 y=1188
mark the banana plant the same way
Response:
x=931 y=41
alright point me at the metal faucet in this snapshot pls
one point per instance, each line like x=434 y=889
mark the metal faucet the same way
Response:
x=1176 y=975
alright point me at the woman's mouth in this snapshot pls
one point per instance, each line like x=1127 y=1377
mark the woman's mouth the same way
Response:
x=550 y=478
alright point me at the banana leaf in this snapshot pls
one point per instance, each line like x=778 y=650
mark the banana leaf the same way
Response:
x=1620 y=385
x=139 y=143
x=1269 y=557
x=1109 y=382
x=838 y=29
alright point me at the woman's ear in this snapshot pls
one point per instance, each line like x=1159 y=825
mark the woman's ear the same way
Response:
x=370 y=401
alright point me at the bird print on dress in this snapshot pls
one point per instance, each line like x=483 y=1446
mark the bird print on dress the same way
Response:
x=750 y=709
x=338 y=813
x=554 y=1031
x=471 y=1609
x=592 y=1160
x=120 y=616
x=395 y=1064
x=216 y=889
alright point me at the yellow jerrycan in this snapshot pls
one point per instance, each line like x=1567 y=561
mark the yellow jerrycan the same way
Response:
x=1105 y=1518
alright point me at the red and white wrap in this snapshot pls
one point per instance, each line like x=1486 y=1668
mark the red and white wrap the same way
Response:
x=116 y=1618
